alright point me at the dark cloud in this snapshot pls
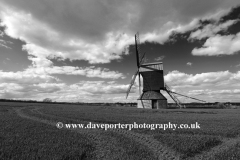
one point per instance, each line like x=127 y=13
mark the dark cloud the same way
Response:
x=232 y=15
x=92 y=19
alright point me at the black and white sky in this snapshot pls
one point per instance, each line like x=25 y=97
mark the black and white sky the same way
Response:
x=83 y=50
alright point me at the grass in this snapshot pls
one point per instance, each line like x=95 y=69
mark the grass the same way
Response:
x=230 y=153
x=188 y=145
x=26 y=139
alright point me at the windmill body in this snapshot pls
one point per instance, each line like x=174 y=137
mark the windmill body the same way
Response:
x=153 y=82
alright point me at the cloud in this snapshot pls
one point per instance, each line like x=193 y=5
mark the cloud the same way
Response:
x=224 y=78
x=38 y=83
x=159 y=58
x=4 y=44
x=25 y=78
x=70 y=70
x=189 y=64
x=28 y=91
x=1 y=33
x=100 y=87
x=87 y=91
x=219 y=45
x=43 y=66
x=215 y=92
x=44 y=41
x=211 y=30
x=218 y=40
x=100 y=31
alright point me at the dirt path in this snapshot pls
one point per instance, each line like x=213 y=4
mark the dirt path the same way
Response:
x=108 y=147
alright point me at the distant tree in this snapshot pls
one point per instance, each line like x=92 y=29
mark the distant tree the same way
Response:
x=47 y=100
x=220 y=105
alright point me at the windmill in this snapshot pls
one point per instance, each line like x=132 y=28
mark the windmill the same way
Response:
x=153 y=83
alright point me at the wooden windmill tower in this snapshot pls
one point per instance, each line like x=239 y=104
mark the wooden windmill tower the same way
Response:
x=153 y=83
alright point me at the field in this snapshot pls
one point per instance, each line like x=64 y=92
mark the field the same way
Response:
x=28 y=131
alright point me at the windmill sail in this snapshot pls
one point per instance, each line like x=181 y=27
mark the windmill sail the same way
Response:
x=132 y=82
x=134 y=77
x=138 y=54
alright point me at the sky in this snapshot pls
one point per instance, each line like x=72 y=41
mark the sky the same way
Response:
x=83 y=50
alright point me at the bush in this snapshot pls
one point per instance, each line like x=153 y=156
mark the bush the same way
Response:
x=47 y=100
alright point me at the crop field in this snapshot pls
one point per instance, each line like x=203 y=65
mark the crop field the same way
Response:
x=29 y=131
